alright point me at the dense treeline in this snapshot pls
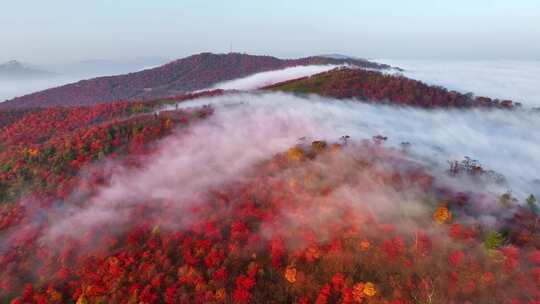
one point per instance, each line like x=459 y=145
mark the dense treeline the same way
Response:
x=379 y=87
x=34 y=126
x=8 y=117
x=178 y=77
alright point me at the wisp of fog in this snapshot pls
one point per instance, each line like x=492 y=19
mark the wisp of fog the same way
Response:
x=263 y=79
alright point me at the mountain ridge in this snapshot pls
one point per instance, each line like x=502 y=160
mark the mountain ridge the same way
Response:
x=177 y=77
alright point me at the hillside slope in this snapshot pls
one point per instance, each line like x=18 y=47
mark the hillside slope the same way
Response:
x=178 y=77
x=379 y=87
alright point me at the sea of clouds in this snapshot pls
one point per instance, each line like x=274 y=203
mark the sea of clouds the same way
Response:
x=503 y=79
x=500 y=140
x=249 y=128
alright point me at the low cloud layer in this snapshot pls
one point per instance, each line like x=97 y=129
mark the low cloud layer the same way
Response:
x=250 y=128
x=217 y=151
x=502 y=141
x=516 y=80
x=263 y=79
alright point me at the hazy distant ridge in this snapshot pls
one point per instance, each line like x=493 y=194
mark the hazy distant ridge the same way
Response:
x=15 y=70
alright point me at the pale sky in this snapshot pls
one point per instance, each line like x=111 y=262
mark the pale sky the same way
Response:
x=54 y=31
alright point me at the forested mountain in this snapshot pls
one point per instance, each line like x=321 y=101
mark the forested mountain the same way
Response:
x=282 y=232
x=379 y=87
x=178 y=77
x=177 y=200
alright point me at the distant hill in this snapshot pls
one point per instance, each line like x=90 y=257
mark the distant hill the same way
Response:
x=175 y=78
x=15 y=70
